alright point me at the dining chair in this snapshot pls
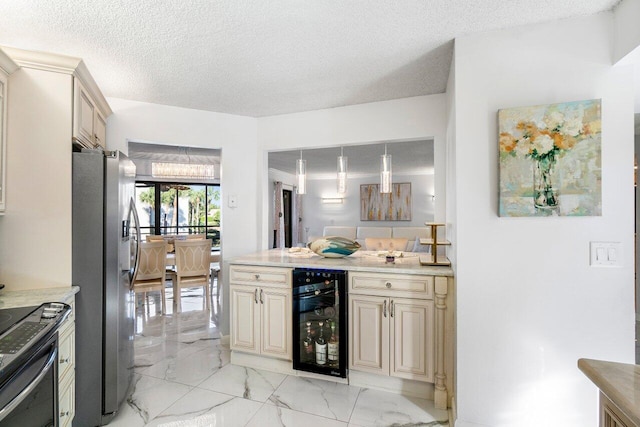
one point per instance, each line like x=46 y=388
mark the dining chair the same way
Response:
x=151 y=274
x=195 y=236
x=193 y=264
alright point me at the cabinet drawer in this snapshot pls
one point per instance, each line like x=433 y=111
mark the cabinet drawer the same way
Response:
x=66 y=350
x=400 y=285
x=262 y=276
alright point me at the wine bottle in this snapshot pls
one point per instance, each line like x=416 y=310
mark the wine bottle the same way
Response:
x=333 y=345
x=321 y=346
x=308 y=345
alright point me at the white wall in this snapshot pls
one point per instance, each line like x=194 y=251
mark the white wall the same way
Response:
x=420 y=117
x=627 y=31
x=529 y=304
x=235 y=135
x=317 y=215
x=35 y=248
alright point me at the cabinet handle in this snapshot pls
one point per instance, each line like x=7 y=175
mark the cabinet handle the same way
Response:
x=64 y=360
x=261 y=300
x=257 y=276
x=255 y=296
x=384 y=308
x=64 y=414
x=388 y=285
x=391 y=309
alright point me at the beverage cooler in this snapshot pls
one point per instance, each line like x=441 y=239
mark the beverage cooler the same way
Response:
x=320 y=321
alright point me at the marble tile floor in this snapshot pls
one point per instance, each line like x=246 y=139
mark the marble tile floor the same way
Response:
x=183 y=378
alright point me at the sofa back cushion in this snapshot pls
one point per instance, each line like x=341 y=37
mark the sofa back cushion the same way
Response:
x=340 y=231
x=412 y=234
x=385 y=244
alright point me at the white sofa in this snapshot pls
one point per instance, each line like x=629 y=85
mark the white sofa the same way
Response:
x=359 y=234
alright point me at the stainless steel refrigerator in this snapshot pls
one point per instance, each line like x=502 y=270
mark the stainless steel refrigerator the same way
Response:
x=105 y=236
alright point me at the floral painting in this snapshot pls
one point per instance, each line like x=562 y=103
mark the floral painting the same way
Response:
x=394 y=206
x=550 y=161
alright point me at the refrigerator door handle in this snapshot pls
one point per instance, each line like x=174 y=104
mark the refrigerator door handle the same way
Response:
x=133 y=213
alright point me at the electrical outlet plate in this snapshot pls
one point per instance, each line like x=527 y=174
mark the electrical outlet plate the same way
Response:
x=605 y=254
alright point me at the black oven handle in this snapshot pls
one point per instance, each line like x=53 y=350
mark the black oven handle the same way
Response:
x=53 y=356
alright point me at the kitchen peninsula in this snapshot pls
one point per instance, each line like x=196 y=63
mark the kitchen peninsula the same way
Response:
x=400 y=318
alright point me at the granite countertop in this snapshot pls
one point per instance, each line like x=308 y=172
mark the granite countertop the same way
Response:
x=368 y=261
x=34 y=297
x=620 y=382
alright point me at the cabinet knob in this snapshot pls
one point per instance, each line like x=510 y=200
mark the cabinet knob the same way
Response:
x=64 y=414
x=257 y=276
x=66 y=360
x=388 y=284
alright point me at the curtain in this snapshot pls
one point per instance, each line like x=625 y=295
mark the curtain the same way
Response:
x=278 y=216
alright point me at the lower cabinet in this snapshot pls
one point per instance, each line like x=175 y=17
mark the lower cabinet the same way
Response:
x=66 y=371
x=611 y=415
x=261 y=316
x=392 y=336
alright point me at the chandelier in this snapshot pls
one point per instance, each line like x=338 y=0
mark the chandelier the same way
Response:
x=182 y=170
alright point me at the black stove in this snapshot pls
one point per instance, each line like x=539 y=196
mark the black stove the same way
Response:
x=22 y=327
x=28 y=364
x=11 y=316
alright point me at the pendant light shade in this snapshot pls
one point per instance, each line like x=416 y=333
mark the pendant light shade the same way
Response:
x=301 y=175
x=385 y=172
x=342 y=173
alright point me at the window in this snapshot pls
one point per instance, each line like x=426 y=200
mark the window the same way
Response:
x=172 y=208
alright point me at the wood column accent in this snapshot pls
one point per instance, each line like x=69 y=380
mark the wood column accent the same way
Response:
x=440 y=395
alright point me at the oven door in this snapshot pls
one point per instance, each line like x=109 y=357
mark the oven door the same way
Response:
x=29 y=396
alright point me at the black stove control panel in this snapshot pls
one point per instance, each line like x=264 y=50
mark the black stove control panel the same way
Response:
x=26 y=331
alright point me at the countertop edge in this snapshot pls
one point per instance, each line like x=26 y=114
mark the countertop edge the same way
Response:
x=33 y=297
x=281 y=258
x=605 y=381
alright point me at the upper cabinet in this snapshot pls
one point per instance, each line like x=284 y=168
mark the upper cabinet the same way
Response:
x=89 y=124
x=7 y=66
x=89 y=107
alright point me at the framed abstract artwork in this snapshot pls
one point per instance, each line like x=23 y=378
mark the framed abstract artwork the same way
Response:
x=550 y=160
x=394 y=206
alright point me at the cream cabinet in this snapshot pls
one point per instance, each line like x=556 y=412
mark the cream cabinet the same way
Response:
x=611 y=415
x=7 y=66
x=392 y=336
x=66 y=370
x=261 y=311
x=399 y=327
x=3 y=138
x=89 y=124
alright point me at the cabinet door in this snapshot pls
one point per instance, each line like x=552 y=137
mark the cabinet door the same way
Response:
x=83 y=114
x=66 y=402
x=3 y=138
x=369 y=334
x=244 y=318
x=66 y=350
x=411 y=339
x=275 y=305
x=100 y=130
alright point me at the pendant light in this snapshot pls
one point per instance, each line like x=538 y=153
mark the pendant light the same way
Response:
x=301 y=175
x=385 y=172
x=342 y=173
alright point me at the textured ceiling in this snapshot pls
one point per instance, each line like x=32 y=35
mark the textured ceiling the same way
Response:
x=259 y=58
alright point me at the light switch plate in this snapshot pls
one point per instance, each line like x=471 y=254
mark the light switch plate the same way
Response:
x=233 y=201
x=605 y=254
